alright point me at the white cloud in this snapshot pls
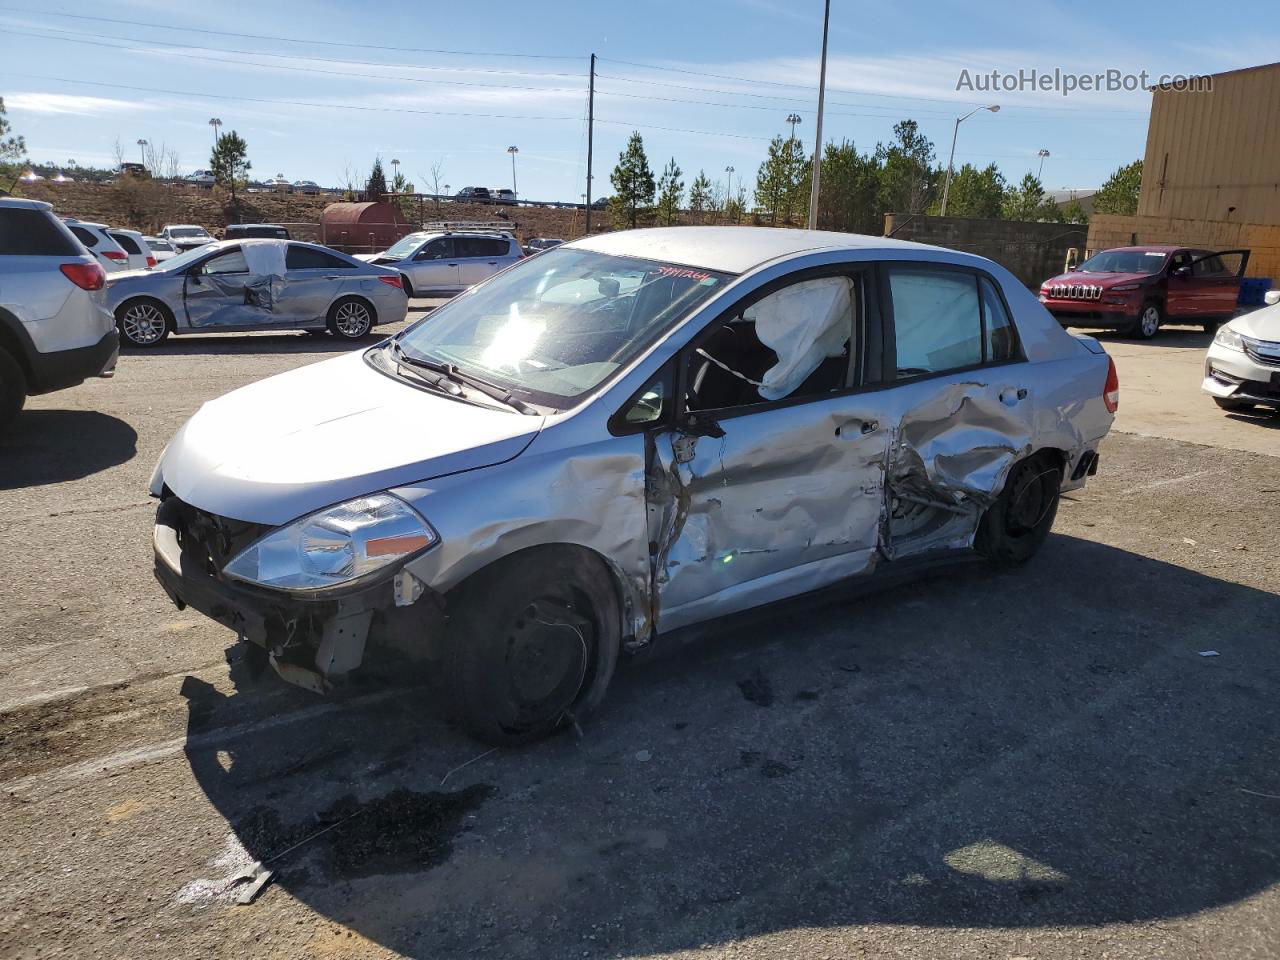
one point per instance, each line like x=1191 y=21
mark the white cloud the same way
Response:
x=66 y=103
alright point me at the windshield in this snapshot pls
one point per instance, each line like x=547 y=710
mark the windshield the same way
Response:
x=405 y=245
x=188 y=232
x=556 y=326
x=184 y=260
x=1125 y=261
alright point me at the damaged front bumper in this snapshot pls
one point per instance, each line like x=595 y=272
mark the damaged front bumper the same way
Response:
x=310 y=640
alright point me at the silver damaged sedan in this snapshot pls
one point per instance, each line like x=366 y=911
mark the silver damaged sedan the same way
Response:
x=620 y=439
x=244 y=285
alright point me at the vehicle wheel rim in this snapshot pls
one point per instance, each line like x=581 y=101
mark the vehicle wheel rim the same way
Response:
x=1150 y=321
x=548 y=650
x=143 y=324
x=1033 y=495
x=352 y=320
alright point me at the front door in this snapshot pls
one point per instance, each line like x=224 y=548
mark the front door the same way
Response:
x=1183 y=296
x=434 y=267
x=770 y=483
x=1217 y=279
x=221 y=292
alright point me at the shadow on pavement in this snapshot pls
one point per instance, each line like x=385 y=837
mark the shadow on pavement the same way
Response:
x=223 y=344
x=53 y=446
x=1045 y=747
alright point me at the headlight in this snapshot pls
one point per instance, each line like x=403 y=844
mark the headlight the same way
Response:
x=1125 y=287
x=1226 y=337
x=335 y=546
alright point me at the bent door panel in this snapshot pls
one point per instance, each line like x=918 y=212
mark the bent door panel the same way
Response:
x=219 y=292
x=788 y=500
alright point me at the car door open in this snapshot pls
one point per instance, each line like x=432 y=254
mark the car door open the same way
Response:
x=768 y=483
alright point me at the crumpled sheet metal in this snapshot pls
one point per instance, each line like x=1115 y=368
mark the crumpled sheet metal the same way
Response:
x=230 y=299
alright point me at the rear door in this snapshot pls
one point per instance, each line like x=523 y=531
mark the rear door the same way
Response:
x=313 y=280
x=1216 y=277
x=218 y=293
x=481 y=257
x=433 y=267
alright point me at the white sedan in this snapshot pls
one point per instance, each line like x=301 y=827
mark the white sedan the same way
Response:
x=1242 y=369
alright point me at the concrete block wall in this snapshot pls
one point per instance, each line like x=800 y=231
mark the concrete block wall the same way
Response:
x=1263 y=240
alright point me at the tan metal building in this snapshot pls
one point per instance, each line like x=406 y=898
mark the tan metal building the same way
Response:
x=1215 y=154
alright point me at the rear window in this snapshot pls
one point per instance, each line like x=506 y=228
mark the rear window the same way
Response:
x=127 y=242
x=87 y=237
x=33 y=233
x=481 y=247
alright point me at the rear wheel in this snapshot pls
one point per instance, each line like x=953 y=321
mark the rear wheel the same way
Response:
x=143 y=322
x=408 y=286
x=532 y=644
x=1012 y=529
x=350 y=318
x=13 y=388
x=1226 y=403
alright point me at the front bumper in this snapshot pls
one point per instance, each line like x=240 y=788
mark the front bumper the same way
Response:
x=1092 y=313
x=1234 y=375
x=310 y=641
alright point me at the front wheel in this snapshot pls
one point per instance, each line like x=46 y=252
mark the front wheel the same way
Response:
x=1226 y=403
x=350 y=318
x=1014 y=527
x=143 y=323
x=532 y=644
x=13 y=387
x=1148 y=323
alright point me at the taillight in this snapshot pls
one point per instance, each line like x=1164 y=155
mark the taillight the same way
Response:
x=116 y=256
x=1111 y=392
x=393 y=281
x=151 y=262
x=86 y=276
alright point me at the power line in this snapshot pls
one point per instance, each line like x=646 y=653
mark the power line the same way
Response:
x=279 y=39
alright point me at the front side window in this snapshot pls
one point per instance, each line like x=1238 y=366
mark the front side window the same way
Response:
x=1210 y=266
x=441 y=249
x=405 y=245
x=230 y=262
x=793 y=343
x=557 y=326
x=936 y=318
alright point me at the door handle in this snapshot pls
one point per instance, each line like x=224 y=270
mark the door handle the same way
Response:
x=453 y=264
x=493 y=263
x=870 y=426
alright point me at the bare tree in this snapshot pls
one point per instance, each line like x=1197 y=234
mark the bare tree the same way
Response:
x=437 y=174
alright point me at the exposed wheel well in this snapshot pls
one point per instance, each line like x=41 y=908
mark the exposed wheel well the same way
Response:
x=12 y=345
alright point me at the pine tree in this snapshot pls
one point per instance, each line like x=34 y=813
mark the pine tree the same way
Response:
x=13 y=149
x=376 y=187
x=699 y=196
x=670 y=193
x=633 y=185
x=1120 y=193
x=229 y=162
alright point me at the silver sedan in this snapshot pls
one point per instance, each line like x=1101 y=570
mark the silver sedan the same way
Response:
x=244 y=285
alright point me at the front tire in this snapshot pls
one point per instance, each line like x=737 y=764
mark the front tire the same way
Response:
x=143 y=322
x=1236 y=406
x=1148 y=323
x=1014 y=527
x=350 y=318
x=407 y=284
x=13 y=388
x=532 y=644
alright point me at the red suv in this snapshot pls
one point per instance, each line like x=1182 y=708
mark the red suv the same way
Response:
x=1136 y=289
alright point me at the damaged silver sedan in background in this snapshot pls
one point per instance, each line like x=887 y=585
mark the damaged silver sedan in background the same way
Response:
x=627 y=435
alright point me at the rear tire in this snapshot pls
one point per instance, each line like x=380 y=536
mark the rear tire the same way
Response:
x=350 y=318
x=408 y=286
x=1014 y=527
x=143 y=322
x=13 y=388
x=532 y=644
x=1226 y=403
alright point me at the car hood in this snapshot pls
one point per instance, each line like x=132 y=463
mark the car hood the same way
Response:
x=1261 y=324
x=293 y=443
x=1100 y=279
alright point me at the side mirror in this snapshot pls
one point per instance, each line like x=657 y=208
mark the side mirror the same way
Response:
x=1184 y=271
x=700 y=425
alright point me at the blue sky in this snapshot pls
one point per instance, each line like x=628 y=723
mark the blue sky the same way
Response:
x=73 y=85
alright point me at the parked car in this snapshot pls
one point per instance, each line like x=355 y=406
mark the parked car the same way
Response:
x=185 y=236
x=160 y=248
x=628 y=435
x=1137 y=289
x=135 y=246
x=138 y=171
x=434 y=264
x=238 y=231
x=308 y=187
x=255 y=285
x=538 y=244
x=474 y=195
x=505 y=198
x=1242 y=368
x=98 y=241
x=200 y=178
x=55 y=328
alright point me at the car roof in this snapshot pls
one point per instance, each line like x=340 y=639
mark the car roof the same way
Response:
x=732 y=249
x=1146 y=248
x=22 y=203
x=273 y=226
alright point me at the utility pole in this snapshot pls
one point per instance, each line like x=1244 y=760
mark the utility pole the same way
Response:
x=142 y=152
x=513 y=150
x=817 y=149
x=591 y=124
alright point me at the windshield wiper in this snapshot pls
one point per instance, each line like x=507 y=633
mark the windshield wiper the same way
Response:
x=456 y=378
x=444 y=379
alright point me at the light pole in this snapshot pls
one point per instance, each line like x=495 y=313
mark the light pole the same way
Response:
x=215 y=123
x=1042 y=154
x=142 y=151
x=513 y=150
x=793 y=119
x=728 y=191
x=817 y=150
x=395 y=170
x=946 y=190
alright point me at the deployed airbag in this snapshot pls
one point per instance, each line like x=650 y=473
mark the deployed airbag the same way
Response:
x=803 y=324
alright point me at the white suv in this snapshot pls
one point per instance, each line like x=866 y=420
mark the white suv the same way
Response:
x=55 y=328
x=447 y=262
x=98 y=242
x=185 y=236
x=135 y=245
